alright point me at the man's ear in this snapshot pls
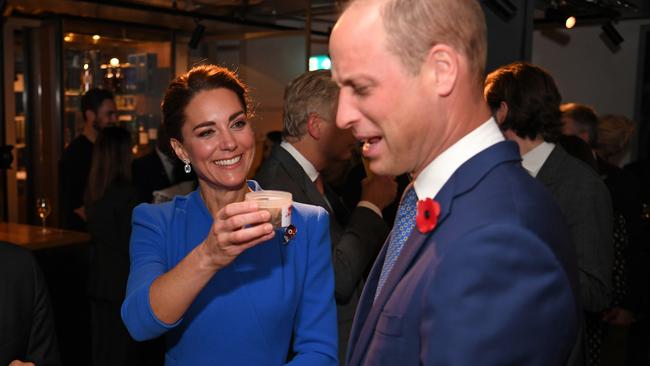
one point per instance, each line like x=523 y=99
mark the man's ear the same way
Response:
x=441 y=68
x=502 y=112
x=314 y=126
x=179 y=150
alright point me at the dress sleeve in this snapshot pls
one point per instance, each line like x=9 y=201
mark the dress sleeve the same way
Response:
x=147 y=251
x=315 y=332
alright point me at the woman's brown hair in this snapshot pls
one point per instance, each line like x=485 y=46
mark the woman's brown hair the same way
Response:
x=111 y=162
x=182 y=89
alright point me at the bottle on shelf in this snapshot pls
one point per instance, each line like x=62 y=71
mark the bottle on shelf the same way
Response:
x=143 y=136
x=86 y=74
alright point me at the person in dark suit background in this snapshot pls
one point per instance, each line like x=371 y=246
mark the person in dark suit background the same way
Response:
x=628 y=276
x=526 y=103
x=478 y=269
x=98 y=110
x=110 y=199
x=158 y=169
x=312 y=143
x=27 y=334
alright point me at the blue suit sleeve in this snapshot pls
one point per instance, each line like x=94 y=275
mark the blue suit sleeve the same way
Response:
x=315 y=333
x=147 y=263
x=495 y=287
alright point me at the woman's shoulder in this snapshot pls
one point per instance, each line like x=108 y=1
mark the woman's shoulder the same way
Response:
x=303 y=213
x=308 y=210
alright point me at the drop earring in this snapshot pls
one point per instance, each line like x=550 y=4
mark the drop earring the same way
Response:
x=187 y=167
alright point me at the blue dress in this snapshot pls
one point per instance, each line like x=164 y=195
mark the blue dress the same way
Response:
x=249 y=311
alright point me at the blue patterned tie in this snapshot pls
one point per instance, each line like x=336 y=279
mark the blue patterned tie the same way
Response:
x=404 y=223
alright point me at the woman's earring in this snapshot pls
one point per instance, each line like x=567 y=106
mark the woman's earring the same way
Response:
x=187 y=167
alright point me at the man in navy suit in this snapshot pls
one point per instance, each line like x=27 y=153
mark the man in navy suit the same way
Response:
x=478 y=269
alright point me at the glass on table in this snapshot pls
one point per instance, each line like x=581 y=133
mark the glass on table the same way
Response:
x=43 y=209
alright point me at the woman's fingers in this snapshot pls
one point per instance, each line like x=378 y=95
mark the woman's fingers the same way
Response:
x=238 y=221
x=236 y=208
x=254 y=242
x=245 y=234
x=237 y=227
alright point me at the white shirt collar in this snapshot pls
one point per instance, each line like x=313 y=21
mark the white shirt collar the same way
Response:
x=429 y=182
x=533 y=160
x=308 y=167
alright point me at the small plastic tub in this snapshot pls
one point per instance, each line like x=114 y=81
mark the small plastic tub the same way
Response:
x=277 y=203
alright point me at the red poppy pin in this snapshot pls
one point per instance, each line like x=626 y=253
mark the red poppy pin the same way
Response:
x=427 y=216
x=289 y=233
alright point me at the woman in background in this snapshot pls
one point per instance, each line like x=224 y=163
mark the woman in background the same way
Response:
x=110 y=198
x=208 y=270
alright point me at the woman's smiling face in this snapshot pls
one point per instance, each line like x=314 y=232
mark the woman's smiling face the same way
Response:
x=218 y=139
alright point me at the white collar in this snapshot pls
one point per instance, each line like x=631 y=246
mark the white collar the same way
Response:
x=308 y=167
x=429 y=182
x=533 y=160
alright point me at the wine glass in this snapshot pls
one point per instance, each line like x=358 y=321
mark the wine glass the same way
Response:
x=43 y=208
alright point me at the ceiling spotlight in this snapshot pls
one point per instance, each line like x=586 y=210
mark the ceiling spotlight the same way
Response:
x=197 y=34
x=570 y=22
x=562 y=16
x=612 y=37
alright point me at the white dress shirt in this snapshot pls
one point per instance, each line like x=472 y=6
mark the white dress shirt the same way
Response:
x=312 y=173
x=429 y=182
x=533 y=160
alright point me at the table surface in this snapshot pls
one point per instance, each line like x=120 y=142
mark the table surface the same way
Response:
x=35 y=238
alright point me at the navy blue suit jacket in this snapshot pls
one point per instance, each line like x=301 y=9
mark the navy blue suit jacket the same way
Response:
x=494 y=283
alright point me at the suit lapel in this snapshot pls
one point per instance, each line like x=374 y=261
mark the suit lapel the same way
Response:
x=298 y=175
x=408 y=255
x=359 y=337
x=465 y=178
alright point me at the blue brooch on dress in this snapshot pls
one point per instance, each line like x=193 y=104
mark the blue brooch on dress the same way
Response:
x=289 y=232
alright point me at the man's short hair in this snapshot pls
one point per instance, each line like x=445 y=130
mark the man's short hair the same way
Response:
x=311 y=92
x=414 y=26
x=532 y=97
x=584 y=119
x=93 y=99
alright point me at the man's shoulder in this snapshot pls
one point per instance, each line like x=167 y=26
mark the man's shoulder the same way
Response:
x=80 y=142
x=80 y=147
x=272 y=174
x=571 y=170
x=16 y=264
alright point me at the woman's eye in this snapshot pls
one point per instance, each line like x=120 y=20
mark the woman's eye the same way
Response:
x=205 y=133
x=239 y=124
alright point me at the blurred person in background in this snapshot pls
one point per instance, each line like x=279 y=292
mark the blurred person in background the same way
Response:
x=627 y=272
x=526 y=104
x=98 y=111
x=110 y=198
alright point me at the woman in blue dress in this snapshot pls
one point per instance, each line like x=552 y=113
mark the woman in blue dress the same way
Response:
x=207 y=269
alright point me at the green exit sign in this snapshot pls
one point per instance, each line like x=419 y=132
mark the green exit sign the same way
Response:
x=320 y=62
